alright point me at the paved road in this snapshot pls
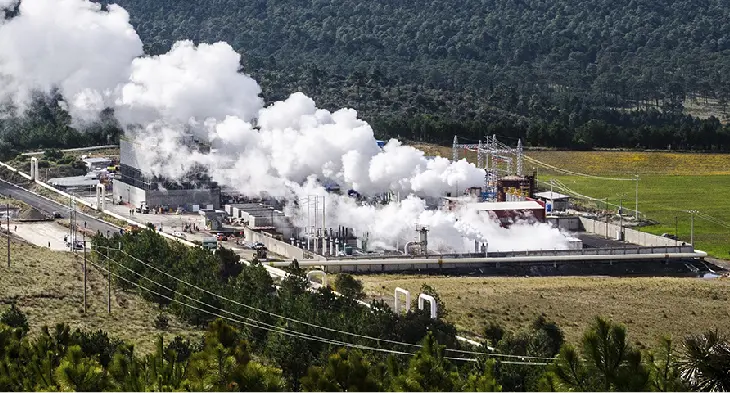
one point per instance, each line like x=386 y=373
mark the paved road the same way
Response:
x=48 y=206
x=36 y=153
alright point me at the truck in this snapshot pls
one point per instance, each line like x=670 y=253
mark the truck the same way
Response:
x=261 y=250
x=210 y=243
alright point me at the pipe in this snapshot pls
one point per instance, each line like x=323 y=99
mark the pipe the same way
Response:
x=541 y=258
x=405 y=249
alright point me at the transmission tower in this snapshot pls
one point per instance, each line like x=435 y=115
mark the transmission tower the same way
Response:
x=489 y=155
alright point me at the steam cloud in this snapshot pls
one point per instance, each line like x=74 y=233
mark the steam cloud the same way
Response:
x=95 y=58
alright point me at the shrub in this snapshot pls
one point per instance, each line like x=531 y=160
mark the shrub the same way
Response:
x=349 y=286
x=15 y=318
x=162 y=322
x=52 y=154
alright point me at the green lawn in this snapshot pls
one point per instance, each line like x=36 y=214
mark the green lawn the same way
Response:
x=662 y=198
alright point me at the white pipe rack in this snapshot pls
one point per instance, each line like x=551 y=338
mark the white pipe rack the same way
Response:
x=541 y=258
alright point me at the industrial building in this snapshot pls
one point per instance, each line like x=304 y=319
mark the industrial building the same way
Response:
x=97 y=163
x=75 y=183
x=193 y=193
x=261 y=217
x=554 y=201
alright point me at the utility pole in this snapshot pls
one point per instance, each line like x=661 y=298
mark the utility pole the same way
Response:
x=676 y=230
x=621 y=216
x=70 y=220
x=84 y=273
x=636 y=210
x=692 y=227
x=7 y=217
x=605 y=207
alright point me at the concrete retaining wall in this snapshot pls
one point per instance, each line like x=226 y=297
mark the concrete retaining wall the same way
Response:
x=630 y=235
x=568 y=223
x=275 y=246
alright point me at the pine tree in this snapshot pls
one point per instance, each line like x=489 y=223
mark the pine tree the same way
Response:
x=76 y=373
x=608 y=362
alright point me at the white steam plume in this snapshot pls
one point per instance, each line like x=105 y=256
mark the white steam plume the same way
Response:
x=67 y=44
x=7 y=4
x=188 y=83
x=198 y=92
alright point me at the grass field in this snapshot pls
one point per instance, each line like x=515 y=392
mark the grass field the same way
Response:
x=649 y=307
x=670 y=185
x=48 y=287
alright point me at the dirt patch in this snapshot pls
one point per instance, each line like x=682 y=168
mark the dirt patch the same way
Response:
x=32 y=214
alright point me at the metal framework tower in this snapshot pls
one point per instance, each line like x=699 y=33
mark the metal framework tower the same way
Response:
x=489 y=156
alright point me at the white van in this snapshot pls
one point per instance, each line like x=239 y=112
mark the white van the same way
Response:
x=179 y=234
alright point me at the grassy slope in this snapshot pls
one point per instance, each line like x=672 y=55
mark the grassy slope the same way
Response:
x=670 y=184
x=649 y=307
x=48 y=287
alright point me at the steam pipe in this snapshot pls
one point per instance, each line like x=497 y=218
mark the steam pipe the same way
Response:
x=405 y=249
x=541 y=258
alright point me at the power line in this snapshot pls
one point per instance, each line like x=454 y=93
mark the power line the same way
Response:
x=280 y=330
x=304 y=322
x=569 y=172
x=254 y=325
x=203 y=303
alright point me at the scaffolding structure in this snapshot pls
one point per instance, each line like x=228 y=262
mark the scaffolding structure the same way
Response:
x=490 y=155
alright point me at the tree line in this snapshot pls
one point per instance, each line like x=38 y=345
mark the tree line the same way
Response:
x=567 y=73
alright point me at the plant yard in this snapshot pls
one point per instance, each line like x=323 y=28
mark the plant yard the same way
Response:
x=670 y=185
x=48 y=287
x=649 y=307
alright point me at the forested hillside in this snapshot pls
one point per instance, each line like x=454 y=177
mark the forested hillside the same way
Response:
x=566 y=73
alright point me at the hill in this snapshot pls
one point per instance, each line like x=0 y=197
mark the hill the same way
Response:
x=565 y=73
x=48 y=287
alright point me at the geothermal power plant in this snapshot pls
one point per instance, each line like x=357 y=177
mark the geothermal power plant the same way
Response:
x=205 y=159
x=302 y=229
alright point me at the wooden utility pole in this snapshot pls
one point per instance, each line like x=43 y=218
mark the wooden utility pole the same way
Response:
x=7 y=214
x=108 y=286
x=84 y=273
